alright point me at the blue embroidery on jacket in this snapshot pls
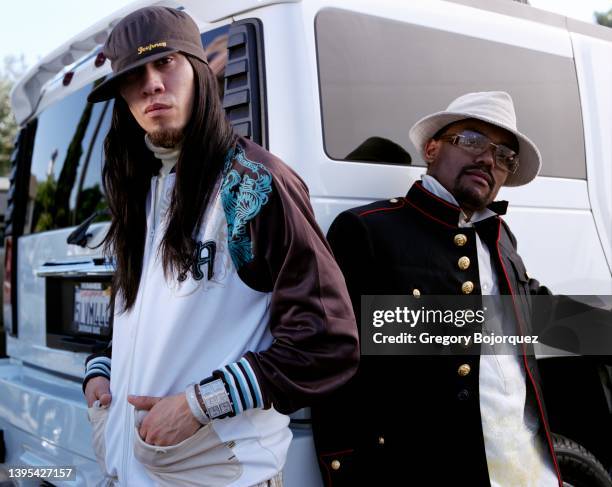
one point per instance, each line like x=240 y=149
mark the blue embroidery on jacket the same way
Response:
x=243 y=195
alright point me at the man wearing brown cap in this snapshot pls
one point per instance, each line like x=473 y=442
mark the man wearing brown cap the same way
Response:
x=230 y=311
x=467 y=420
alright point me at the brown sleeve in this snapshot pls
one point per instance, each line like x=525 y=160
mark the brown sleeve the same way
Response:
x=315 y=347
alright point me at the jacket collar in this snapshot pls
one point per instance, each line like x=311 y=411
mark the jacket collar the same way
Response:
x=441 y=210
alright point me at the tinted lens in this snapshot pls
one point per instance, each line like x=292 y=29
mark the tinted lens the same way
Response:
x=473 y=142
x=506 y=158
x=476 y=143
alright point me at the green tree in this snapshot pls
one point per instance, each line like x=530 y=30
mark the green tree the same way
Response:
x=604 y=18
x=45 y=205
x=13 y=68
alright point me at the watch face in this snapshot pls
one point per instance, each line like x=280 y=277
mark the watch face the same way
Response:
x=216 y=399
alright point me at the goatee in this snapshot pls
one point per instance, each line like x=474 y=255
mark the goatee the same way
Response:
x=466 y=194
x=166 y=138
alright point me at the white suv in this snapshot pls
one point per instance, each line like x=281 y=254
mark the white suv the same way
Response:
x=331 y=86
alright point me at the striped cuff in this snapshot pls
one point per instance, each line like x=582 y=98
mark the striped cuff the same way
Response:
x=98 y=365
x=241 y=385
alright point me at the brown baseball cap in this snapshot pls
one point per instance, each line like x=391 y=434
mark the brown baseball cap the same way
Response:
x=143 y=36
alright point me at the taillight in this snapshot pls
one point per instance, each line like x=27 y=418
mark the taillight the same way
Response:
x=100 y=58
x=68 y=78
x=6 y=283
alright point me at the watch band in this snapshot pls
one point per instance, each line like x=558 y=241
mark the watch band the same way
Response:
x=194 y=405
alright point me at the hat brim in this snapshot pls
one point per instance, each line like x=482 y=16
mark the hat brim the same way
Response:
x=530 y=160
x=108 y=88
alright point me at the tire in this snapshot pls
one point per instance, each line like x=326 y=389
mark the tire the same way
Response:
x=579 y=467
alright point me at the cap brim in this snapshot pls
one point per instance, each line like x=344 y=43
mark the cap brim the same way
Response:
x=108 y=88
x=530 y=160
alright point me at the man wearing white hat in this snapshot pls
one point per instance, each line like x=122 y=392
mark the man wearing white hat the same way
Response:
x=474 y=420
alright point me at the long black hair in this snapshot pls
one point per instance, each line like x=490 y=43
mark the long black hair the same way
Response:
x=127 y=174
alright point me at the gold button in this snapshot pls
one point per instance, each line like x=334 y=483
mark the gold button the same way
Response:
x=335 y=465
x=460 y=240
x=467 y=287
x=381 y=440
x=463 y=263
x=416 y=293
x=464 y=370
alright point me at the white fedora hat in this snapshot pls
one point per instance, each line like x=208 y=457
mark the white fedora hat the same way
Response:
x=494 y=107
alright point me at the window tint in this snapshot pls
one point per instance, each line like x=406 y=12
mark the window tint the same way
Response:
x=65 y=175
x=377 y=77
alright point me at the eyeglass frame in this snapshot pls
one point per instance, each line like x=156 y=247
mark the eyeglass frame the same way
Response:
x=453 y=139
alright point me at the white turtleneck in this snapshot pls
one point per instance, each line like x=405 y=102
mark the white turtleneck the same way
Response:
x=168 y=157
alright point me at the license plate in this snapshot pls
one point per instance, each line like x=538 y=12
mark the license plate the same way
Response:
x=92 y=308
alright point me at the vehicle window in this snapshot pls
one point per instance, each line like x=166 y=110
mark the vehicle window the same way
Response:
x=67 y=158
x=65 y=175
x=378 y=76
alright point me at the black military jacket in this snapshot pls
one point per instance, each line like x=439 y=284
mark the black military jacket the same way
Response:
x=415 y=420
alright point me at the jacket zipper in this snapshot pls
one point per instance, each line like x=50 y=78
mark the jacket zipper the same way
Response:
x=129 y=427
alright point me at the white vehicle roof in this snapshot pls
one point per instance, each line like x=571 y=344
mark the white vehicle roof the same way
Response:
x=27 y=94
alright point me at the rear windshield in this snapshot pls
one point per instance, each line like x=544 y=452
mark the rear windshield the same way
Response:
x=65 y=176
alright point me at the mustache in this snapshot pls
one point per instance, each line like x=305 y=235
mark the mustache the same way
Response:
x=481 y=171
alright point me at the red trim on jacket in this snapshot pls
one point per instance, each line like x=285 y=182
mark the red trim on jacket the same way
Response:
x=431 y=216
x=533 y=384
x=419 y=185
x=376 y=210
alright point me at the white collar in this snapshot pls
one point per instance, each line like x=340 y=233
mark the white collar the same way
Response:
x=434 y=186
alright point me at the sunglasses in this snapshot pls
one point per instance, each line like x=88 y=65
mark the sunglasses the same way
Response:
x=476 y=144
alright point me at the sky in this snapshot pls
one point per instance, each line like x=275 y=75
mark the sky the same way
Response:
x=34 y=27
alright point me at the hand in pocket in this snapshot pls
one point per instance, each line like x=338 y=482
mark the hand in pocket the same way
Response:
x=169 y=420
x=98 y=389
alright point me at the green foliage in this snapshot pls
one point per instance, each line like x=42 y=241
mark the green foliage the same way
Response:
x=12 y=70
x=91 y=200
x=604 y=18
x=8 y=126
x=45 y=204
